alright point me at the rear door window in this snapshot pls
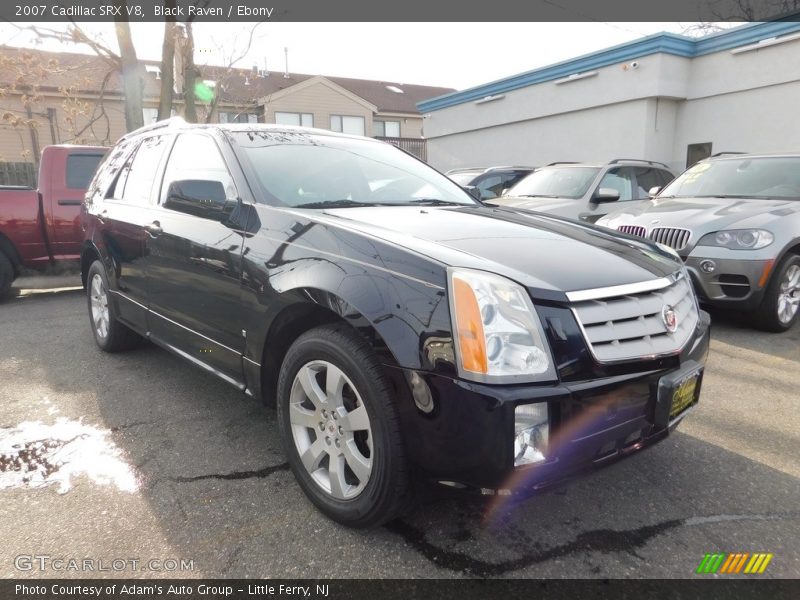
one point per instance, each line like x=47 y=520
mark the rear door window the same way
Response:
x=80 y=168
x=140 y=172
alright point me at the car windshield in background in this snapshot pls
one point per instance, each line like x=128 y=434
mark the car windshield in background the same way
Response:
x=763 y=177
x=464 y=177
x=556 y=182
x=306 y=171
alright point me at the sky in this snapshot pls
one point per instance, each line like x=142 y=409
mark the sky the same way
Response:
x=456 y=55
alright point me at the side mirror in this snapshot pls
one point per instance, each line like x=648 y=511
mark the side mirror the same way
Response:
x=504 y=192
x=653 y=191
x=606 y=195
x=472 y=191
x=204 y=198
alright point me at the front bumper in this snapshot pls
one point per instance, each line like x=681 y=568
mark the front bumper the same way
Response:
x=734 y=282
x=466 y=441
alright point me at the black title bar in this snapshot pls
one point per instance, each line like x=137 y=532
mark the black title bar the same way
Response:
x=407 y=10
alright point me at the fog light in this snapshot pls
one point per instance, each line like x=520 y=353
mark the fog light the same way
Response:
x=530 y=434
x=708 y=266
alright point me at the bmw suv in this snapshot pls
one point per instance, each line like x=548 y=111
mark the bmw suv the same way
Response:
x=404 y=331
x=586 y=191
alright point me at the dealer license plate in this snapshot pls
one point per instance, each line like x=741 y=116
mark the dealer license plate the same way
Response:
x=684 y=394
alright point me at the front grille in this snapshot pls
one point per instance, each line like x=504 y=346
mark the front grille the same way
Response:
x=633 y=230
x=631 y=326
x=675 y=237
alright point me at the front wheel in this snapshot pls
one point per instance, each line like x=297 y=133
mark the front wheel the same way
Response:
x=340 y=428
x=779 y=308
x=109 y=333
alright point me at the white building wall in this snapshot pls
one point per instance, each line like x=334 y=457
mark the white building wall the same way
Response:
x=596 y=134
x=737 y=101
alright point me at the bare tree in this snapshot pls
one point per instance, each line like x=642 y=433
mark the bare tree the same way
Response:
x=132 y=83
x=167 y=64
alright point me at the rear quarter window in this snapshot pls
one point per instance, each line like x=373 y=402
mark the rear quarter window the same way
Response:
x=80 y=168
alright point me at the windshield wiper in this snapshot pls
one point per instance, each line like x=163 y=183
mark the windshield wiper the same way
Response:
x=534 y=196
x=343 y=203
x=436 y=202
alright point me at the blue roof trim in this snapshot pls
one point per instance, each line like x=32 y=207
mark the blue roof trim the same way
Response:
x=667 y=43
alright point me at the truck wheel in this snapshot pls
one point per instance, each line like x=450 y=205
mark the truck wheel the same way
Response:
x=340 y=428
x=779 y=308
x=109 y=333
x=6 y=275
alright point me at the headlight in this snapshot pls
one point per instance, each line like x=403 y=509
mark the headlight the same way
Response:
x=738 y=239
x=499 y=337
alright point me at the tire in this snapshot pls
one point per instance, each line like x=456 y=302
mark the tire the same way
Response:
x=6 y=275
x=109 y=333
x=781 y=303
x=362 y=435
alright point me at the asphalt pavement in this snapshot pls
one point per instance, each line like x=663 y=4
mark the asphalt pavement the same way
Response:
x=141 y=457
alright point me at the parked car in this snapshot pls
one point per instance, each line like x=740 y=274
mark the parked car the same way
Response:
x=404 y=330
x=489 y=182
x=735 y=221
x=41 y=227
x=586 y=191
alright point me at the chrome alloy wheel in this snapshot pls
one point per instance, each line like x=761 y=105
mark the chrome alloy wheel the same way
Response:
x=99 y=300
x=789 y=295
x=331 y=429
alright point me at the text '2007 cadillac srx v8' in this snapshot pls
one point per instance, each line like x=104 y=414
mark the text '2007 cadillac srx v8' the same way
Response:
x=404 y=330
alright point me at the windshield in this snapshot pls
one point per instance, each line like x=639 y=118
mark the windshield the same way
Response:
x=556 y=182
x=315 y=171
x=739 y=178
x=465 y=177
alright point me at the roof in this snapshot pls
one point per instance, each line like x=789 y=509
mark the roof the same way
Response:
x=179 y=124
x=667 y=43
x=86 y=72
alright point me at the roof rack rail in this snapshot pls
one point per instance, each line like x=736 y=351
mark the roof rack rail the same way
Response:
x=638 y=160
x=171 y=122
x=726 y=152
x=562 y=162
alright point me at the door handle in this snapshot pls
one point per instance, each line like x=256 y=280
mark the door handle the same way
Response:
x=153 y=229
x=102 y=216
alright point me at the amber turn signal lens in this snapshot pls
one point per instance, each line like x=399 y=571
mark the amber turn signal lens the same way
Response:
x=470 y=328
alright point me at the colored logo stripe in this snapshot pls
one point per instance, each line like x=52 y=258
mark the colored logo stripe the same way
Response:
x=734 y=563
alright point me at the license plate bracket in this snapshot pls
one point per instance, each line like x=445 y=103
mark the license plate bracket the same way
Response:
x=677 y=392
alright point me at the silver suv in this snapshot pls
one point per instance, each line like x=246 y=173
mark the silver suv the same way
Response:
x=586 y=191
x=735 y=221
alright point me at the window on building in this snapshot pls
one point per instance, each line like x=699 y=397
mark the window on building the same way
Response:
x=697 y=152
x=386 y=128
x=237 y=117
x=149 y=115
x=291 y=118
x=346 y=124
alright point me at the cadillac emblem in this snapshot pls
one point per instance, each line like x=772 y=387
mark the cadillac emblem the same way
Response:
x=670 y=318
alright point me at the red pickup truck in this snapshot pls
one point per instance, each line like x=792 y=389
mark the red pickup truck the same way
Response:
x=41 y=227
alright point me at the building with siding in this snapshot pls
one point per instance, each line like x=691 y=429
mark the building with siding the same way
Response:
x=50 y=98
x=664 y=97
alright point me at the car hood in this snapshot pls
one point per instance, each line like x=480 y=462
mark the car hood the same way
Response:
x=703 y=215
x=556 y=206
x=548 y=255
x=564 y=207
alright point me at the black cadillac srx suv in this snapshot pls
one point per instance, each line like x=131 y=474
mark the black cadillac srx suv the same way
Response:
x=404 y=330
